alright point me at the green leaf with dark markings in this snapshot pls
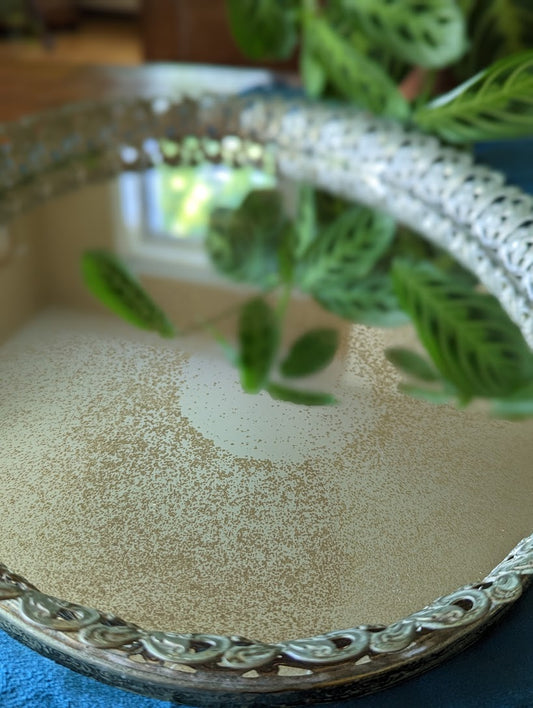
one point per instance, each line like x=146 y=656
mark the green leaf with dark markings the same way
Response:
x=111 y=283
x=347 y=25
x=244 y=244
x=357 y=77
x=496 y=103
x=469 y=337
x=310 y=353
x=431 y=33
x=370 y=301
x=346 y=250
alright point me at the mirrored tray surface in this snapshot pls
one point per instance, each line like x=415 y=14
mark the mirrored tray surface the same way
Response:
x=139 y=479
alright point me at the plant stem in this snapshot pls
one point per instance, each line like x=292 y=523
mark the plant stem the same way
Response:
x=309 y=9
x=427 y=88
x=229 y=351
x=283 y=302
x=209 y=321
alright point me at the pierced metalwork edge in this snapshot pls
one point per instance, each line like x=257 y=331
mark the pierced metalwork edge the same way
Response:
x=469 y=606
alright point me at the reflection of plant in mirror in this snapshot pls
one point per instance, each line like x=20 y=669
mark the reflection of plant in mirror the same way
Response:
x=388 y=56
x=366 y=52
x=345 y=266
x=255 y=244
x=259 y=332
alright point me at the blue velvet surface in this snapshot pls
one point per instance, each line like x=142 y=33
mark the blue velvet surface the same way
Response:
x=512 y=157
x=497 y=672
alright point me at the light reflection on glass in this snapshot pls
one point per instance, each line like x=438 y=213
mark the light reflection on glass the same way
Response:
x=179 y=199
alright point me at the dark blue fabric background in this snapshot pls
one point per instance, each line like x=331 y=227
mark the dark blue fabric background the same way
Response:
x=497 y=672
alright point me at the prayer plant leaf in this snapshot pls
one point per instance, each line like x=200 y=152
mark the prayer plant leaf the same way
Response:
x=263 y=29
x=244 y=243
x=429 y=33
x=408 y=245
x=303 y=398
x=258 y=344
x=370 y=301
x=310 y=353
x=357 y=77
x=496 y=103
x=338 y=268
x=496 y=29
x=469 y=337
x=111 y=283
x=411 y=363
x=348 y=26
x=347 y=249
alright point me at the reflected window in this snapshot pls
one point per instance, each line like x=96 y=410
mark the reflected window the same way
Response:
x=164 y=213
x=180 y=199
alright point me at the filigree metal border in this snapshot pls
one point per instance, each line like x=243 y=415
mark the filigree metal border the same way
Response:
x=470 y=605
x=437 y=190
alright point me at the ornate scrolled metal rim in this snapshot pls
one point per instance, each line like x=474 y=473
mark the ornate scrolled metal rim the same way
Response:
x=406 y=174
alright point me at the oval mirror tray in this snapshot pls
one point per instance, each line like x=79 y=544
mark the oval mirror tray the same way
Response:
x=236 y=548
